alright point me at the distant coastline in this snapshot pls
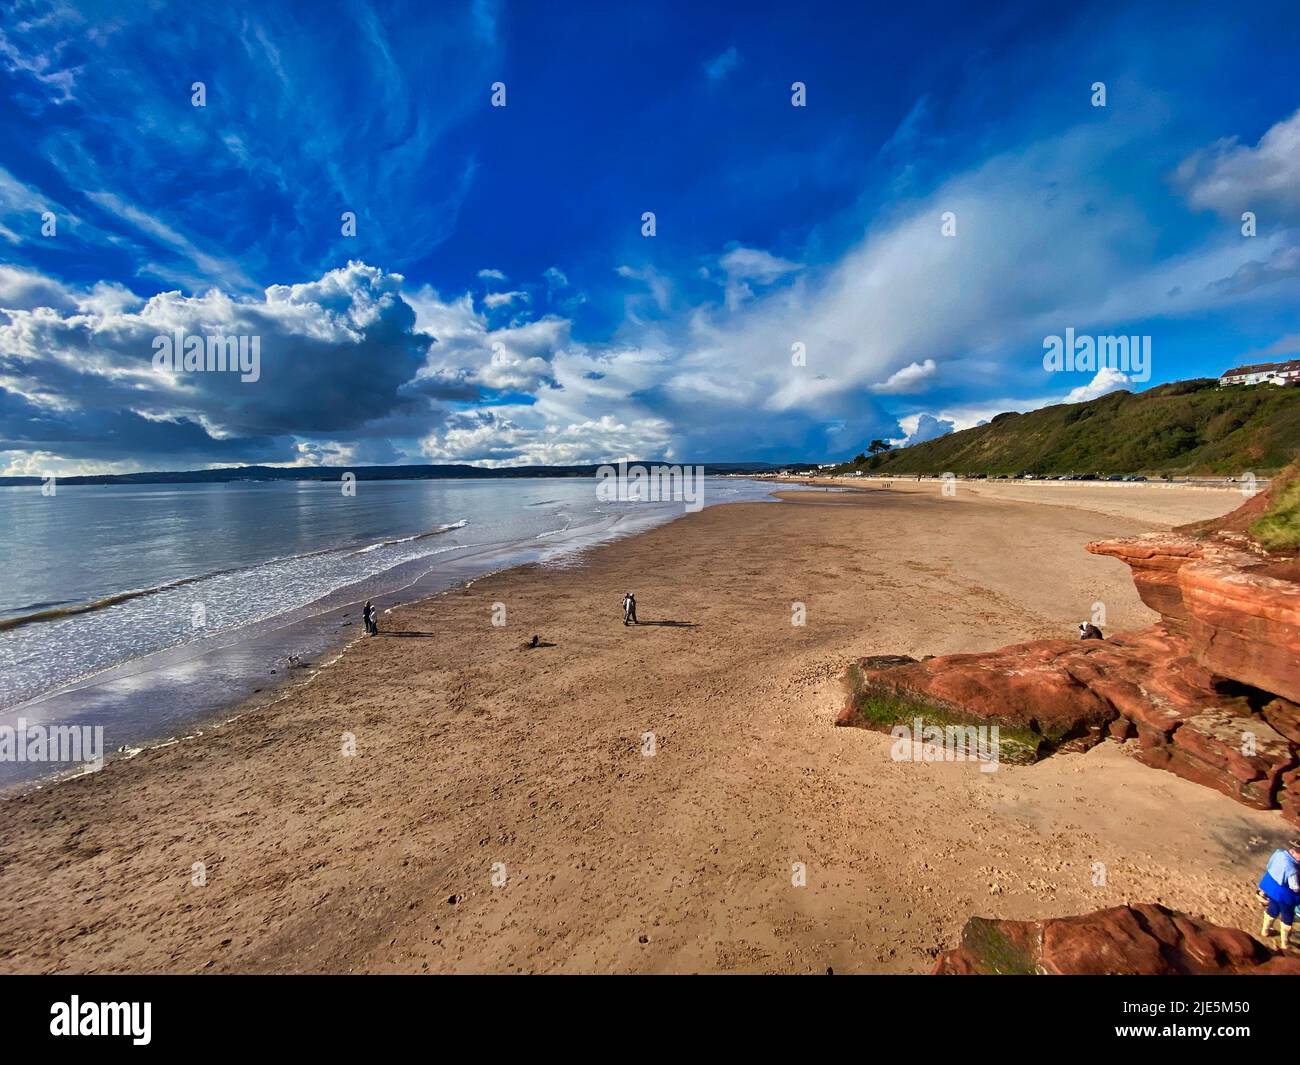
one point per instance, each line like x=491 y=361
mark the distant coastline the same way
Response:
x=380 y=473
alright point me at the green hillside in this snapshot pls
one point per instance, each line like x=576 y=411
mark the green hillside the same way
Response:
x=1186 y=428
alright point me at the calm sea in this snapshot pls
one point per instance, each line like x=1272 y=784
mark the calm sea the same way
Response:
x=147 y=608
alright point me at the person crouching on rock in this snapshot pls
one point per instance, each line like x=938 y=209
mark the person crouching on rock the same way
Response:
x=1089 y=631
x=1280 y=884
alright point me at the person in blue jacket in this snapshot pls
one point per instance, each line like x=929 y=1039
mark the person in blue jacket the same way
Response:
x=1280 y=885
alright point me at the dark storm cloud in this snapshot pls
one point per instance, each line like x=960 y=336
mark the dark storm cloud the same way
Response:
x=333 y=357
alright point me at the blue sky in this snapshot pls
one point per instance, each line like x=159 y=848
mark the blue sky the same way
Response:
x=499 y=302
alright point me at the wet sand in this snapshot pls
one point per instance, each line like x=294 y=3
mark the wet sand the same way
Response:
x=500 y=815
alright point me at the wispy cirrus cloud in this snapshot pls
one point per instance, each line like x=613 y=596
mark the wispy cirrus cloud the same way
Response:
x=299 y=124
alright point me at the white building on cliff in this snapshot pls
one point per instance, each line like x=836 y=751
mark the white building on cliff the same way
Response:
x=1273 y=373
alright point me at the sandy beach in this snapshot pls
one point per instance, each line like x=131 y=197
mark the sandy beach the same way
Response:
x=501 y=811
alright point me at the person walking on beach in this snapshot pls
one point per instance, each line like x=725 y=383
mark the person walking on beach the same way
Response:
x=368 y=616
x=1280 y=886
x=629 y=609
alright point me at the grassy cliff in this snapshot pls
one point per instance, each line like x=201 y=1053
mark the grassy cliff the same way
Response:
x=1186 y=428
x=1279 y=527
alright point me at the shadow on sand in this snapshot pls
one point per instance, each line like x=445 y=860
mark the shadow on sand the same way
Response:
x=671 y=624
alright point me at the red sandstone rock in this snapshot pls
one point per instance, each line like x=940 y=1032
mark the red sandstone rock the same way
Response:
x=1070 y=694
x=1245 y=622
x=1145 y=939
x=1155 y=560
x=1288 y=795
x=1236 y=753
x=1210 y=693
x=1239 y=608
x=1284 y=716
x=1021 y=686
x=1121 y=729
x=1148 y=677
x=1239 y=611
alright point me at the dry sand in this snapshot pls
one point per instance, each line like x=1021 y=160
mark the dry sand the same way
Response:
x=475 y=758
x=1157 y=505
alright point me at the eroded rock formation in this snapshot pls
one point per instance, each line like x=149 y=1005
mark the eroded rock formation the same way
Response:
x=1143 y=940
x=1209 y=693
x=1239 y=609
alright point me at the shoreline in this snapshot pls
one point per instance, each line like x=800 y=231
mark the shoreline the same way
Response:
x=318 y=632
x=473 y=753
x=279 y=690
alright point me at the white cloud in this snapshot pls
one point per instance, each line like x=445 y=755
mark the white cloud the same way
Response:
x=1105 y=381
x=911 y=378
x=660 y=291
x=902 y=308
x=1229 y=178
x=468 y=357
x=26 y=289
x=985 y=298
x=77 y=377
x=756 y=264
x=520 y=435
x=494 y=300
x=919 y=428
x=746 y=267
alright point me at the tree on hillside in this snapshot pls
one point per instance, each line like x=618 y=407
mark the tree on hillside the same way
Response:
x=878 y=447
